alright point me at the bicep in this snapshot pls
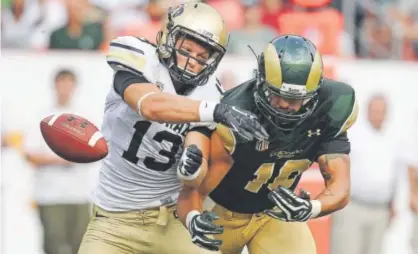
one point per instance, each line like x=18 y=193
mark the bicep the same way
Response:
x=220 y=162
x=124 y=79
x=335 y=167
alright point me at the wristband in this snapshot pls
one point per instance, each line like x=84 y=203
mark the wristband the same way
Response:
x=316 y=208
x=190 y=216
x=206 y=111
x=138 y=104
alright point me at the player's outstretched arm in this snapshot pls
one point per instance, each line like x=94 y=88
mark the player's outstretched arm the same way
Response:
x=335 y=169
x=154 y=105
x=158 y=106
x=190 y=201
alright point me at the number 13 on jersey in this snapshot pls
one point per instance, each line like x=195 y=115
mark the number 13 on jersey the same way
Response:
x=141 y=128
x=286 y=177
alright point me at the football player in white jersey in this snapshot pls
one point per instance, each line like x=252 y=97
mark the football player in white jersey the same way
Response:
x=160 y=93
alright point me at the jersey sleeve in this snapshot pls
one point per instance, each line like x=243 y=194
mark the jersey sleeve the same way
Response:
x=339 y=144
x=343 y=114
x=133 y=55
x=341 y=117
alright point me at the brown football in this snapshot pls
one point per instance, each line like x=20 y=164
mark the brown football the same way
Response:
x=74 y=138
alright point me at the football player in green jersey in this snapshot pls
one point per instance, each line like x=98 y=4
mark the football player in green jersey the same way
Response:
x=253 y=182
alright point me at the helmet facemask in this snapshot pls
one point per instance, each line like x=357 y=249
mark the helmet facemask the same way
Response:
x=282 y=118
x=173 y=48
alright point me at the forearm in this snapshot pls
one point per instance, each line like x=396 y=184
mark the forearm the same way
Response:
x=335 y=169
x=333 y=198
x=164 y=107
x=189 y=199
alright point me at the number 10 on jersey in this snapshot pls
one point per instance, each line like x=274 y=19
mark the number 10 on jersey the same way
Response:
x=286 y=177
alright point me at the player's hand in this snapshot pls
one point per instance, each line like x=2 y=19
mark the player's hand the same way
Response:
x=190 y=162
x=202 y=225
x=240 y=121
x=292 y=207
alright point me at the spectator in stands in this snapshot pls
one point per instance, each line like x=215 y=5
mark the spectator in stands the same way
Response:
x=79 y=32
x=254 y=33
x=272 y=9
x=62 y=188
x=19 y=21
x=410 y=157
x=20 y=224
x=156 y=10
x=360 y=227
x=231 y=11
x=406 y=12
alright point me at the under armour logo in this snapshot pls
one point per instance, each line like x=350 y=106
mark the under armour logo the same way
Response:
x=312 y=133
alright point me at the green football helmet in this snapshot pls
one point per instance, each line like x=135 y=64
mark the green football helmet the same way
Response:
x=290 y=68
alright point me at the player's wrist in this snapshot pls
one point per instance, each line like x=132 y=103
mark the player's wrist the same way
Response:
x=316 y=208
x=190 y=217
x=207 y=111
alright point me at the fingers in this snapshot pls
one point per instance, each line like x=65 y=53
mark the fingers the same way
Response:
x=256 y=130
x=206 y=224
x=278 y=214
x=206 y=243
x=193 y=150
x=246 y=135
x=247 y=125
x=259 y=131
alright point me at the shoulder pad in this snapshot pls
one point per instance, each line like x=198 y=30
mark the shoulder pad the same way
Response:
x=132 y=54
x=241 y=96
x=344 y=107
x=227 y=137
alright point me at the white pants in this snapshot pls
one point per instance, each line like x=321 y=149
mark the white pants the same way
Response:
x=359 y=229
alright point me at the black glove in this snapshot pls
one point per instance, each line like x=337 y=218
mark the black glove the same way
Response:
x=291 y=206
x=240 y=121
x=190 y=162
x=201 y=225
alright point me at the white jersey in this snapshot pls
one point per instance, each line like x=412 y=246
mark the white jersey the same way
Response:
x=140 y=169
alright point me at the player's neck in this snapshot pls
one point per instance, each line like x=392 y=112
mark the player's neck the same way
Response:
x=181 y=88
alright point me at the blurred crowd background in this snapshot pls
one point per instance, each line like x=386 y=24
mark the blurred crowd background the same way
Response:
x=383 y=29
x=53 y=61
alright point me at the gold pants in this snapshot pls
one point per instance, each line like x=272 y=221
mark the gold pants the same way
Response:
x=262 y=234
x=151 y=231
